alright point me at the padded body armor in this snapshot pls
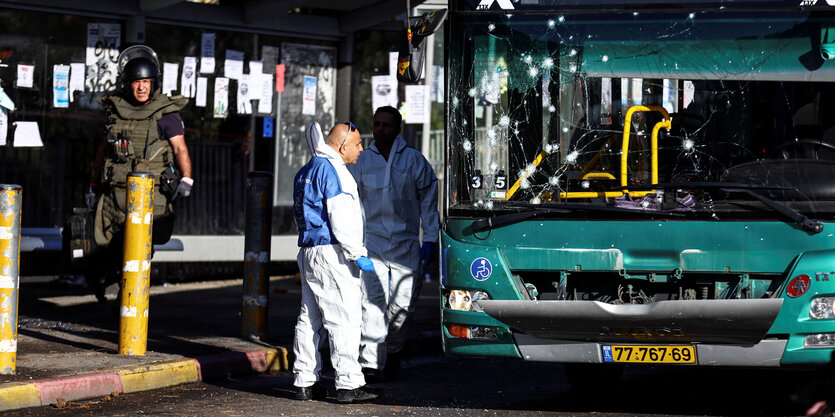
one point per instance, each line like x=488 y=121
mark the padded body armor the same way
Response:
x=134 y=145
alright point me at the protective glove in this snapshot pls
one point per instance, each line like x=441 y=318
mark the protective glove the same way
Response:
x=427 y=252
x=184 y=188
x=365 y=264
x=90 y=195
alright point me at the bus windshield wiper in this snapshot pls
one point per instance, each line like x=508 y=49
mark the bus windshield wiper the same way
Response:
x=810 y=225
x=489 y=223
x=494 y=222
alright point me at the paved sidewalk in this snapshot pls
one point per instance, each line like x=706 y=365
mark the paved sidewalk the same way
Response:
x=68 y=342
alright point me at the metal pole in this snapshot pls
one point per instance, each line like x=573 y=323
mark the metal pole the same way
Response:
x=136 y=273
x=257 y=254
x=277 y=140
x=429 y=80
x=251 y=139
x=11 y=198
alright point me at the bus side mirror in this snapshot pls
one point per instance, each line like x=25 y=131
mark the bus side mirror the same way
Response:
x=412 y=50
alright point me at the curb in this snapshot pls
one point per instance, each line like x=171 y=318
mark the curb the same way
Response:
x=136 y=378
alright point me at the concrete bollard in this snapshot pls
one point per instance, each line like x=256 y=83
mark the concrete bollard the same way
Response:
x=11 y=201
x=136 y=272
x=258 y=231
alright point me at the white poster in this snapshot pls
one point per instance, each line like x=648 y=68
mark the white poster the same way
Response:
x=61 y=86
x=76 y=78
x=207 y=54
x=255 y=72
x=4 y=126
x=25 y=75
x=256 y=67
x=309 y=96
x=244 y=105
x=393 y=65
x=27 y=135
x=265 y=104
x=689 y=92
x=169 y=77
x=221 y=99
x=416 y=111
x=383 y=92
x=233 y=66
x=202 y=86
x=103 y=41
x=187 y=79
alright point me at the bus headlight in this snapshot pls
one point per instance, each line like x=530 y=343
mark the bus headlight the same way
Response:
x=822 y=308
x=463 y=300
x=826 y=340
x=472 y=332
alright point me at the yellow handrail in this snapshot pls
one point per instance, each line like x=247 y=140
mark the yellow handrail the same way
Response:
x=627 y=127
x=525 y=175
x=593 y=194
x=624 y=163
x=598 y=175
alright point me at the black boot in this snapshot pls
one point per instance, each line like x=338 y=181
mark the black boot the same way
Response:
x=313 y=392
x=356 y=395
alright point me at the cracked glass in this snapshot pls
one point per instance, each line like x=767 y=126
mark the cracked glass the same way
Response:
x=549 y=109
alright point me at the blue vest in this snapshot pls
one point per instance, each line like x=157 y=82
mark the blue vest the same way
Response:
x=314 y=184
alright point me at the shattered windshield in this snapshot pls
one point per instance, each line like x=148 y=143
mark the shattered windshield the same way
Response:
x=577 y=108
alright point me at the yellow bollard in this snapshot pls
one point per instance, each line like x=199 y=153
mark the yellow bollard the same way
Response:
x=11 y=197
x=136 y=273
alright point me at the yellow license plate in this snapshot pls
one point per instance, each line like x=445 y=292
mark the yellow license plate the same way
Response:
x=649 y=354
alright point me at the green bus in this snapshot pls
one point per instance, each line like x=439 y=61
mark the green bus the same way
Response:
x=640 y=182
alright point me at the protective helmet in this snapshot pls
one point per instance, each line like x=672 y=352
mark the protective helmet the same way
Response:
x=138 y=62
x=140 y=68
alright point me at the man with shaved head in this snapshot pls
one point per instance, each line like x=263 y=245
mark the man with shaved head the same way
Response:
x=330 y=220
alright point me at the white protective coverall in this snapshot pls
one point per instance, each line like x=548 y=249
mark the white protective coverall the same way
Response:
x=329 y=215
x=399 y=195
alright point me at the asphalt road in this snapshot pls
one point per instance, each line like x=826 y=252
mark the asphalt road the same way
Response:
x=435 y=385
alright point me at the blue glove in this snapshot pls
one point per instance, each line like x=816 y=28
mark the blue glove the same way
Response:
x=427 y=252
x=183 y=190
x=365 y=264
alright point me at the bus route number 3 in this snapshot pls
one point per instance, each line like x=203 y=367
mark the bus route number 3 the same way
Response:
x=477 y=181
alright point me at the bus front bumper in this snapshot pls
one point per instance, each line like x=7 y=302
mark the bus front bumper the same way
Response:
x=767 y=353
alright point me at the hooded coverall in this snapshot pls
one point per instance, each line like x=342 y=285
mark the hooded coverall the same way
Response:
x=329 y=216
x=399 y=196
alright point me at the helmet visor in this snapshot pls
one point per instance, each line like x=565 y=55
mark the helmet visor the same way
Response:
x=137 y=51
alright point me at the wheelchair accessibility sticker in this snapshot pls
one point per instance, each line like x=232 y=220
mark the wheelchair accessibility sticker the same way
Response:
x=481 y=269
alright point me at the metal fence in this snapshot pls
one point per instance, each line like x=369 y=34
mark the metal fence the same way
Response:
x=216 y=205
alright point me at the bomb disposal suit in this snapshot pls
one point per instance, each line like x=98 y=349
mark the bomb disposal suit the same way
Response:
x=330 y=220
x=135 y=144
